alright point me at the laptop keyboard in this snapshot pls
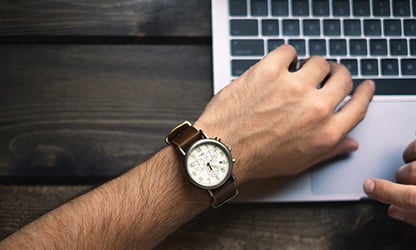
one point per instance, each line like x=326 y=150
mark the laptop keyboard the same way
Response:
x=373 y=39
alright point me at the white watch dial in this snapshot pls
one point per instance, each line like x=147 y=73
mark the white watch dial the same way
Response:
x=208 y=163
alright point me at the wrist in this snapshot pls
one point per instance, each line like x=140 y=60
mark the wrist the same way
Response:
x=185 y=189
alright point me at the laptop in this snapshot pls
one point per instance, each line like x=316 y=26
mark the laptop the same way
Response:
x=374 y=39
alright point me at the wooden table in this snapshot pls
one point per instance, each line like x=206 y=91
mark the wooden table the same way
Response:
x=89 y=88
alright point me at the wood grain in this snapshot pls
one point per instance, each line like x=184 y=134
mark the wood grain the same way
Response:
x=21 y=204
x=350 y=225
x=94 y=110
x=74 y=110
x=135 y=18
x=294 y=226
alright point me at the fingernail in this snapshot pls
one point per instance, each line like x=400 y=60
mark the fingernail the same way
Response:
x=372 y=84
x=395 y=214
x=369 y=186
x=397 y=217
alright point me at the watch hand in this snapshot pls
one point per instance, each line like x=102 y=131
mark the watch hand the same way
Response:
x=209 y=165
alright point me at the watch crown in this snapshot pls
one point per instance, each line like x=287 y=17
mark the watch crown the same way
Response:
x=233 y=160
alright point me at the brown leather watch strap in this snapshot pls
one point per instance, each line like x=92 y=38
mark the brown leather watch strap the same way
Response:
x=224 y=193
x=183 y=136
x=186 y=138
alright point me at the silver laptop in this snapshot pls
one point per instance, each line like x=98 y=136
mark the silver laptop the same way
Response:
x=375 y=39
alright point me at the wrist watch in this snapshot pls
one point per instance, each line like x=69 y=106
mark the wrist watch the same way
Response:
x=207 y=162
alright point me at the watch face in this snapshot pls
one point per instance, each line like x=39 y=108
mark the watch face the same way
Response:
x=208 y=163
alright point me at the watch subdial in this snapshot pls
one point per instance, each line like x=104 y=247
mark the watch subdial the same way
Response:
x=198 y=165
x=212 y=170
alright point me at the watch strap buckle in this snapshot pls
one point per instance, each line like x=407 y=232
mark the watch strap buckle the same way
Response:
x=177 y=131
x=183 y=135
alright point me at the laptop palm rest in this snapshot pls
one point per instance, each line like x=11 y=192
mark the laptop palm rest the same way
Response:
x=382 y=136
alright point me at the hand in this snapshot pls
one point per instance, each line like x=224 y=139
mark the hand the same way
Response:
x=279 y=122
x=401 y=195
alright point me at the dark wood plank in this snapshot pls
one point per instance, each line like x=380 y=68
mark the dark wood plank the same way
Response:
x=94 y=110
x=349 y=225
x=20 y=205
x=137 y=18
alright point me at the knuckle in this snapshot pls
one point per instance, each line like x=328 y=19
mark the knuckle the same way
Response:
x=411 y=169
x=333 y=136
x=362 y=112
x=289 y=48
x=296 y=90
x=348 y=83
x=322 y=63
x=330 y=137
x=320 y=108
x=409 y=198
x=266 y=70
x=344 y=70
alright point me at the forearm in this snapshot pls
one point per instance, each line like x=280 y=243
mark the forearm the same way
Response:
x=135 y=210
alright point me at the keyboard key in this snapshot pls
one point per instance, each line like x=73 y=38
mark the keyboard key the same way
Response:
x=299 y=45
x=381 y=7
x=408 y=66
x=259 y=8
x=358 y=47
x=389 y=67
x=274 y=43
x=280 y=7
x=413 y=47
x=317 y=47
x=378 y=47
x=392 y=86
x=247 y=47
x=414 y=9
x=401 y=8
x=337 y=47
x=290 y=27
x=341 y=8
x=410 y=27
x=311 y=28
x=332 y=27
x=372 y=27
x=392 y=28
x=239 y=66
x=243 y=28
x=270 y=27
x=351 y=65
x=398 y=47
x=352 y=27
x=361 y=8
x=320 y=7
x=238 y=7
x=332 y=60
x=369 y=67
x=300 y=7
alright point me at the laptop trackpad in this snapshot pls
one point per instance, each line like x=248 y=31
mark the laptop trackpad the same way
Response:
x=387 y=129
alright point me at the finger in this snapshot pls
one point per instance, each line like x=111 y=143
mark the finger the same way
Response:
x=391 y=193
x=354 y=111
x=409 y=153
x=407 y=173
x=280 y=58
x=314 y=70
x=406 y=215
x=339 y=84
x=346 y=145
